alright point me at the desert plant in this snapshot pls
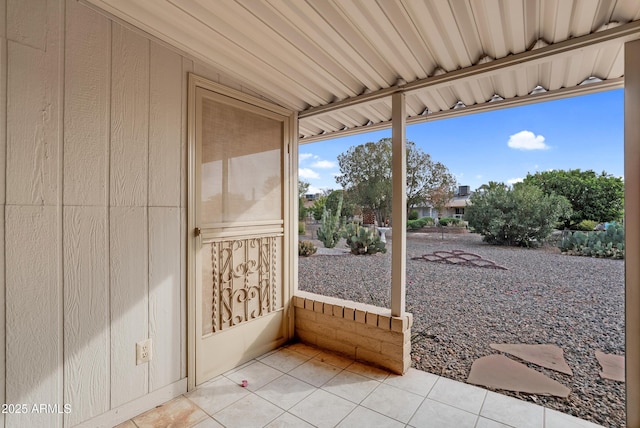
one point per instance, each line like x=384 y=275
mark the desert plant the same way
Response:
x=586 y=225
x=302 y=228
x=449 y=221
x=605 y=244
x=362 y=240
x=329 y=230
x=306 y=248
x=522 y=216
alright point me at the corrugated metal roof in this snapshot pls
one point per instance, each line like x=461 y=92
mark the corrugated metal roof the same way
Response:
x=337 y=61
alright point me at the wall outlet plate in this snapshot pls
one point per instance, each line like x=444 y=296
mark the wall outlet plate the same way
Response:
x=143 y=352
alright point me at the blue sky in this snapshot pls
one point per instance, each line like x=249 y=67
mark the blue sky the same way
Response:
x=583 y=132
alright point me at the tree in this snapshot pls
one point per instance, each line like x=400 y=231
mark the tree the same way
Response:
x=427 y=181
x=523 y=216
x=592 y=196
x=366 y=177
x=303 y=188
x=332 y=203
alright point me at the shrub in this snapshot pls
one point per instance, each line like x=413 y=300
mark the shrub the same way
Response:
x=449 y=221
x=413 y=215
x=607 y=243
x=523 y=216
x=420 y=223
x=586 y=225
x=329 y=230
x=306 y=248
x=302 y=228
x=362 y=240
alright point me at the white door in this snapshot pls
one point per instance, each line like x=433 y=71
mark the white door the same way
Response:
x=239 y=168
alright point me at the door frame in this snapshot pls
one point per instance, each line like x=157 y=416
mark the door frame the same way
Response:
x=289 y=189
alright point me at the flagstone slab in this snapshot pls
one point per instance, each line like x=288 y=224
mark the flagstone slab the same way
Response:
x=549 y=356
x=612 y=366
x=498 y=371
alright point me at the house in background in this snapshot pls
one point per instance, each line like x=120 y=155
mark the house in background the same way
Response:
x=147 y=148
x=454 y=208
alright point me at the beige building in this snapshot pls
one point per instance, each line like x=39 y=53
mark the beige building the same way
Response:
x=148 y=167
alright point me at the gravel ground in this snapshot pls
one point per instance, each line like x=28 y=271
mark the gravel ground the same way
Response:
x=576 y=303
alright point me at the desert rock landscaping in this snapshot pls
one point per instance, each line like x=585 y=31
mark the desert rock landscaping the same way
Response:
x=541 y=297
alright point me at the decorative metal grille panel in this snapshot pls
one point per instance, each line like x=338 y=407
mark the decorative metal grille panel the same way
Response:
x=244 y=280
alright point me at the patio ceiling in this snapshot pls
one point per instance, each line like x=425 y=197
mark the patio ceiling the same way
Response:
x=338 y=61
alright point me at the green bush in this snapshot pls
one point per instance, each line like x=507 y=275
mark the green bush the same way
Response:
x=362 y=240
x=302 y=228
x=606 y=243
x=523 y=216
x=413 y=215
x=450 y=221
x=586 y=225
x=306 y=248
x=329 y=230
x=420 y=223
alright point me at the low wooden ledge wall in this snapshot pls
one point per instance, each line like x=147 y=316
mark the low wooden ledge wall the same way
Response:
x=363 y=332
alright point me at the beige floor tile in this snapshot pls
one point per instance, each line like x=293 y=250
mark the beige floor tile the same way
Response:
x=287 y=420
x=209 y=423
x=285 y=360
x=393 y=402
x=365 y=418
x=351 y=386
x=315 y=372
x=555 y=419
x=178 y=412
x=368 y=371
x=413 y=380
x=458 y=394
x=512 y=411
x=257 y=375
x=126 y=424
x=248 y=412
x=334 y=359
x=322 y=409
x=303 y=349
x=488 y=423
x=439 y=415
x=286 y=391
x=215 y=396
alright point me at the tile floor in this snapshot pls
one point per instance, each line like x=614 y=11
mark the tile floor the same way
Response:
x=302 y=386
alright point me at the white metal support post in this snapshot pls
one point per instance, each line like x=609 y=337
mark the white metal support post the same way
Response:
x=632 y=227
x=399 y=207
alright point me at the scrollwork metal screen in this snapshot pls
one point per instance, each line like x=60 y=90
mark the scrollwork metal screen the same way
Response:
x=242 y=274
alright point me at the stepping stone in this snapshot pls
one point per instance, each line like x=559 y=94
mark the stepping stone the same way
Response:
x=498 y=371
x=549 y=356
x=612 y=366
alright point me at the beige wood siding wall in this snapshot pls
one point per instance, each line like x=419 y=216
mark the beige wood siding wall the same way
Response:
x=92 y=202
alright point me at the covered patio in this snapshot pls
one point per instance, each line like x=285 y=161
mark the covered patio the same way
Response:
x=108 y=107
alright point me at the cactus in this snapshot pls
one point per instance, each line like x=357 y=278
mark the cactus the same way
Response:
x=306 y=248
x=329 y=230
x=362 y=240
x=609 y=243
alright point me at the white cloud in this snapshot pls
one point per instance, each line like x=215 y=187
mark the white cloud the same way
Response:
x=478 y=177
x=515 y=180
x=304 y=156
x=307 y=173
x=324 y=164
x=527 y=140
